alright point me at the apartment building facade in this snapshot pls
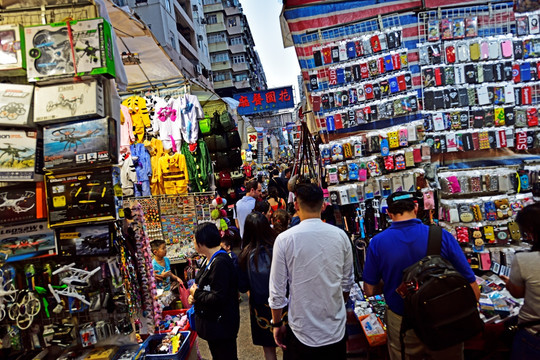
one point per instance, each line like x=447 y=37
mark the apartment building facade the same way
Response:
x=236 y=66
x=179 y=26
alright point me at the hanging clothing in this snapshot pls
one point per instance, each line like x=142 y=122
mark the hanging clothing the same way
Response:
x=141 y=160
x=199 y=166
x=156 y=152
x=128 y=176
x=139 y=115
x=173 y=173
x=166 y=121
x=190 y=110
x=126 y=127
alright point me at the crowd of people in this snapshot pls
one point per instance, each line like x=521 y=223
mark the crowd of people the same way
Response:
x=298 y=271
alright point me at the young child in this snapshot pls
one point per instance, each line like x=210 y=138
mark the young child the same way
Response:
x=162 y=265
x=226 y=244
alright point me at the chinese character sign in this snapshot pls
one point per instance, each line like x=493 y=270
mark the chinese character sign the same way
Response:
x=265 y=100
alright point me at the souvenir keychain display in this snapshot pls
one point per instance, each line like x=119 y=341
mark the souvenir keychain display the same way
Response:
x=363 y=79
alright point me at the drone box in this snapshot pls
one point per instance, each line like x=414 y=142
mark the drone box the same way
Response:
x=24 y=202
x=15 y=104
x=80 y=144
x=78 y=100
x=12 y=59
x=17 y=155
x=21 y=242
x=50 y=48
x=85 y=240
x=79 y=197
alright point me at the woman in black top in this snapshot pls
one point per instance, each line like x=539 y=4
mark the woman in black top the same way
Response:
x=215 y=295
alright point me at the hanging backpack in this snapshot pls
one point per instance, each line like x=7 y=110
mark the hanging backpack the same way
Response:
x=205 y=126
x=440 y=304
x=233 y=139
x=226 y=121
x=215 y=124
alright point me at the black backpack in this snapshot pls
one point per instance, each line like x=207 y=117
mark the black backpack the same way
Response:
x=440 y=304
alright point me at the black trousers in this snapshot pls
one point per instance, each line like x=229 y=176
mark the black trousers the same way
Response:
x=223 y=349
x=296 y=350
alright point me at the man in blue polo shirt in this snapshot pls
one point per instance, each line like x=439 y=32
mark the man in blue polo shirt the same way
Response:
x=246 y=204
x=389 y=253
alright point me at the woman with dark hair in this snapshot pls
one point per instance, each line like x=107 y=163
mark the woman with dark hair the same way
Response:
x=274 y=200
x=215 y=295
x=524 y=282
x=264 y=208
x=255 y=260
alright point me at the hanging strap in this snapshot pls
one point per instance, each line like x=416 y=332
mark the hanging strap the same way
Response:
x=434 y=240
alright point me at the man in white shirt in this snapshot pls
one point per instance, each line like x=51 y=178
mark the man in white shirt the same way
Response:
x=246 y=204
x=315 y=260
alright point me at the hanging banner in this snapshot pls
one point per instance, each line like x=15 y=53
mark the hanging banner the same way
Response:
x=265 y=100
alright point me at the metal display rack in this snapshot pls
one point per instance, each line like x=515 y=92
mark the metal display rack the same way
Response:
x=174 y=218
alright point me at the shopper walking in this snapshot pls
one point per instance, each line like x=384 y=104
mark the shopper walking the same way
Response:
x=524 y=282
x=274 y=200
x=314 y=260
x=244 y=206
x=215 y=295
x=389 y=253
x=255 y=260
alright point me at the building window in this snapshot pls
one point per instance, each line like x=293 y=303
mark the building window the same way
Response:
x=215 y=38
x=222 y=76
x=232 y=22
x=210 y=2
x=168 y=5
x=220 y=57
x=239 y=59
x=240 y=77
x=173 y=41
x=211 y=19
x=237 y=40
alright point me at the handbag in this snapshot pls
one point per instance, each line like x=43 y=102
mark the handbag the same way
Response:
x=511 y=328
x=184 y=294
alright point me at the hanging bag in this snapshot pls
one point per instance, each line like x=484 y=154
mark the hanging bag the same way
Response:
x=184 y=295
x=226 y=121
x=205 y=126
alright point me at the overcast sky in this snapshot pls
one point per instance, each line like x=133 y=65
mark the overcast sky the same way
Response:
x=280 y=64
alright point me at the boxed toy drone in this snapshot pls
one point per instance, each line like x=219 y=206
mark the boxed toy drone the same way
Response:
x=92 y=240
x=15 y=104
x=78 y=100
x=17 y=155
x=12 y=59
x=24 y=202
x=80 y=144
x=80 y=197
x=24 y=241
x=50 y=48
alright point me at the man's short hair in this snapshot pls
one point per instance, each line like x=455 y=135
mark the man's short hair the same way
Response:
x=310 y=197
x=401 y=202
x=156 y=244
x=252 y=184
x=207 y=234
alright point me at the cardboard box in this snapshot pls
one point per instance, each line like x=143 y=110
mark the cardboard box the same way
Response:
x=80 y=100
x=80 y=144
x=49 y=52
x=12 y=58
x=79 y=197
x=17 y=155
x=24 y=202
x=85 y=240
x=15 y=104
x=21 y=242
x=373 y=329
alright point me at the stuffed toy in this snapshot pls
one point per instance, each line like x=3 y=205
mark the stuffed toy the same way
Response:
x=219 y=215
x=504 y=210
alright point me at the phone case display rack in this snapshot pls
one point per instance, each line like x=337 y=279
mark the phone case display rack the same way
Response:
x=480 y=92
x=174 y=218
